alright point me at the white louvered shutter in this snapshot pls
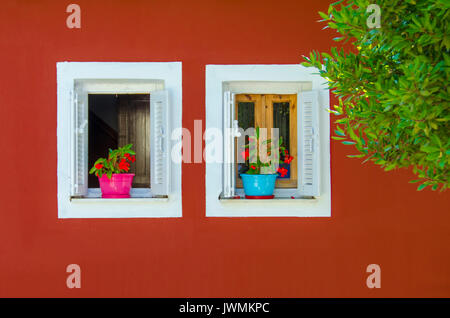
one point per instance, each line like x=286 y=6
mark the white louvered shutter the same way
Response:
x=79 y=142
x=309 y=167
x=159 y=143
x=229 y=125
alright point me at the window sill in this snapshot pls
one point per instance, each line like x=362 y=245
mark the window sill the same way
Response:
x=120 y=201
x=134 y=207
x=275 y=200
x=135 y=193
x=280 y=206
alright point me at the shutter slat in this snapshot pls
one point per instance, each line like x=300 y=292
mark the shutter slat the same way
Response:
x=80 y=143
x=229 y=173
x=309 y=167
x=159 y=143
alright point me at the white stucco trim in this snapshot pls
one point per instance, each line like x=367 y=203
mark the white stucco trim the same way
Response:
x=131 y=77
x=257 y=78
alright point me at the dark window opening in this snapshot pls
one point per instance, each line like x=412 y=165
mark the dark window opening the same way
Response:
x=114 y=121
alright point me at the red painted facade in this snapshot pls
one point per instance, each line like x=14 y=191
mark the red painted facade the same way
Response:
x=377 y=217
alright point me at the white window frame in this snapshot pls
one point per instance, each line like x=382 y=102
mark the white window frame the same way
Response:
x=120 y=77
x=267 y=79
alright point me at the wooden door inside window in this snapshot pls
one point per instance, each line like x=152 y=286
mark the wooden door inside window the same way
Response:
x=134 y=128
x=271 y=111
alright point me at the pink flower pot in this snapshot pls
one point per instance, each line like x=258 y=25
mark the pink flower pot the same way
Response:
x=117 y=187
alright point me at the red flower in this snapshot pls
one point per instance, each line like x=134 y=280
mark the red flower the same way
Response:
x=286 y=152
x=131 y=158
x=124 y=165
x=253 y=167
x=288 y=159
x=282 y=172
x=98 y=166
x=245 y=154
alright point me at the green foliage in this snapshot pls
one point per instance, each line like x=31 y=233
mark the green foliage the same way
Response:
x=118 y=161
x=392 y=86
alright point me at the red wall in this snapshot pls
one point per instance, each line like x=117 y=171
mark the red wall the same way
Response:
x=377 y=217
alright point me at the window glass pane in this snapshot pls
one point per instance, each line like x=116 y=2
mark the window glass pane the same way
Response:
x=246 y=114
x=281 y=121
x=117 y=120
x=246 y=119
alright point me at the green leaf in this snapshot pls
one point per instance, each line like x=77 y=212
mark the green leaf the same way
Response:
x=429 y=149
x=323 y=15
x=390 y=167
x=356 y=156
x=422 y=186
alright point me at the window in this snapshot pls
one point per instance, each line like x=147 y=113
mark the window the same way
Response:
x=108 y=115
x=108 y=105
x=270 y=111
x=287 y=97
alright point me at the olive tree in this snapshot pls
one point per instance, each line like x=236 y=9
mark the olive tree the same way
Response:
x=391 y=83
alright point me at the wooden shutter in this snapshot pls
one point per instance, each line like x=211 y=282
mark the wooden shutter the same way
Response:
x=79 y=147
x=159 y=143
x=309 y=167
x=229 y=123
x=134 y=128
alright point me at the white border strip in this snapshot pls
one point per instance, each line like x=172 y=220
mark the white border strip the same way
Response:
x=67 y=72
x=217 y=77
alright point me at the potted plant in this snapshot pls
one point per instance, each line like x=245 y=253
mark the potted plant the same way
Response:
x=259 y=176
x=112 y=174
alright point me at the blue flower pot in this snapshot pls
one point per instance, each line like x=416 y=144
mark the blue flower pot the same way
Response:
x=259 y=185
